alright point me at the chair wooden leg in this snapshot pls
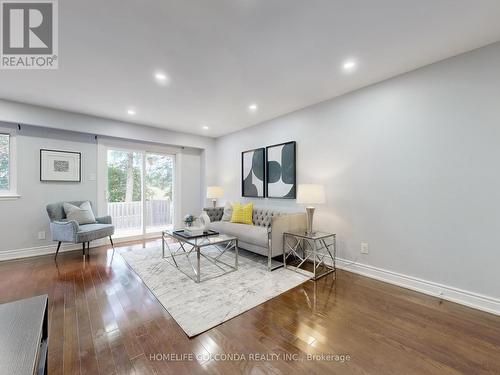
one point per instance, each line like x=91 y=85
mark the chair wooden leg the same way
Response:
x=58 y=247
x=113 y=246
x=83 y=246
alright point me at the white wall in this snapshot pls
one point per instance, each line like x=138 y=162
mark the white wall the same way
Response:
x=23 y=218
x=191 y=183
x=411 y=166
x=51 y=118
x=28 y=114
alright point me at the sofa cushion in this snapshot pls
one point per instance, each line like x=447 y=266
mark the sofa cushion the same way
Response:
x=91 y=232
x=242 y=214
x=214 y=213
x=228 y=212
x=246 y=233
x=82 y=214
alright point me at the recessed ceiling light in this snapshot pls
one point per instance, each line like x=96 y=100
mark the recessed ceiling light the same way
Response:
x=131 y=111
x=253 y=107
x=162 y=78
x=205 y=127
x=349 y=65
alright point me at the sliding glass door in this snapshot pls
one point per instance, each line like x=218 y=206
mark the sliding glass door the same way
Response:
x=158 y=188
x=140 y=188
x=125 y=192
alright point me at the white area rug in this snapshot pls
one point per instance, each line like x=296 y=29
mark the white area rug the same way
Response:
x=199 y=307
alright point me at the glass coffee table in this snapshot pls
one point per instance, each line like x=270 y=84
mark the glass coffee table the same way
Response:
x=198 y=245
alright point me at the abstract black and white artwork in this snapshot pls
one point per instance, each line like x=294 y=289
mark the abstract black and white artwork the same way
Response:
x=60 y=166
x=253 y=173
x=281 y=182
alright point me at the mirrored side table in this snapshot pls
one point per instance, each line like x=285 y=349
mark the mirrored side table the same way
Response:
x=314 y=252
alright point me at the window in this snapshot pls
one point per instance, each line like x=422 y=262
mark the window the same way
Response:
x=8 y=179
x=140 y=191
x=4 y=162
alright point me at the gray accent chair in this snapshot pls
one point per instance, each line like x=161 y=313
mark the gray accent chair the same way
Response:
x=64 y=230
x=265 y=237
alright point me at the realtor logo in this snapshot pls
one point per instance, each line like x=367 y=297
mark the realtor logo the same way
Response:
x=29 y=37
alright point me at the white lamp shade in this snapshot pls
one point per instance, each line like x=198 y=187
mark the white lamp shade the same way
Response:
x=311 y=194
x=214 y=192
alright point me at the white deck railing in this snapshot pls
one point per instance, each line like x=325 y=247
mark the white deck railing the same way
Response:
x=128 y=215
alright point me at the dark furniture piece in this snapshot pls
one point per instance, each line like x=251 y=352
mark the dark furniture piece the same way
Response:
x=24 y=336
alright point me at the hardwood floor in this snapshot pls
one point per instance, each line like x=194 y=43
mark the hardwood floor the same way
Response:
x=103 y=320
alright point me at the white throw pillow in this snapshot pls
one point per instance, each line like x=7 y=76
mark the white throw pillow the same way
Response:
x=82 y=215
x=228 y=212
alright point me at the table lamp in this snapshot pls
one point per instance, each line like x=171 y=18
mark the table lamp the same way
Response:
x=310 y=194
x=214 y=192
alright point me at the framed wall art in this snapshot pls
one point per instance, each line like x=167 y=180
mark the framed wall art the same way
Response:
x=281 y=170
x=253 y=173
x=60 y=166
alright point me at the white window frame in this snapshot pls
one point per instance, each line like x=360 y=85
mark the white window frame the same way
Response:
x=12 y=193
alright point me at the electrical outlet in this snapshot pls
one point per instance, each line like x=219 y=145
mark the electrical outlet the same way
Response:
x=41 y=235
x=364 y=248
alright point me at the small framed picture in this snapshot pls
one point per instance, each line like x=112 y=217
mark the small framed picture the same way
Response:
x=60 y=166
x=253 y=173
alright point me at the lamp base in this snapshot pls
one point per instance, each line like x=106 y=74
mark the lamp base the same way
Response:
x=310 y=217
x=214 y=202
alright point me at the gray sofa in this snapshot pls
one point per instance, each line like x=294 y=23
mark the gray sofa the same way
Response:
x=265 y=237
x=64 y=230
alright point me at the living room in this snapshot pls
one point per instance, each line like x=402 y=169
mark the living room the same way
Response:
x=249 y=187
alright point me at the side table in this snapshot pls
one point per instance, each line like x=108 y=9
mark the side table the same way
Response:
x=313 y=248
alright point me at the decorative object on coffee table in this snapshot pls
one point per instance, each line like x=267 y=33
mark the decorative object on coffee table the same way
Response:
x=300 y=248
x=281 y=171
x=214 y=192
x=252 y=173
x=64 y=166
x=203 y=220
x=188 y=220
x=311 y=194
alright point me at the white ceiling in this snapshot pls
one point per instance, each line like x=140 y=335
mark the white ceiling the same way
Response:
x=223 y=55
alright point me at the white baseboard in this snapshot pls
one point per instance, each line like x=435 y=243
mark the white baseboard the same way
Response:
x=36 y=251
x=470 y=299
x=51 y=249
x=44 y=250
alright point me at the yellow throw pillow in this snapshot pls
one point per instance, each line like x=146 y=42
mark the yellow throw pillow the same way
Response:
x=242 y=214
